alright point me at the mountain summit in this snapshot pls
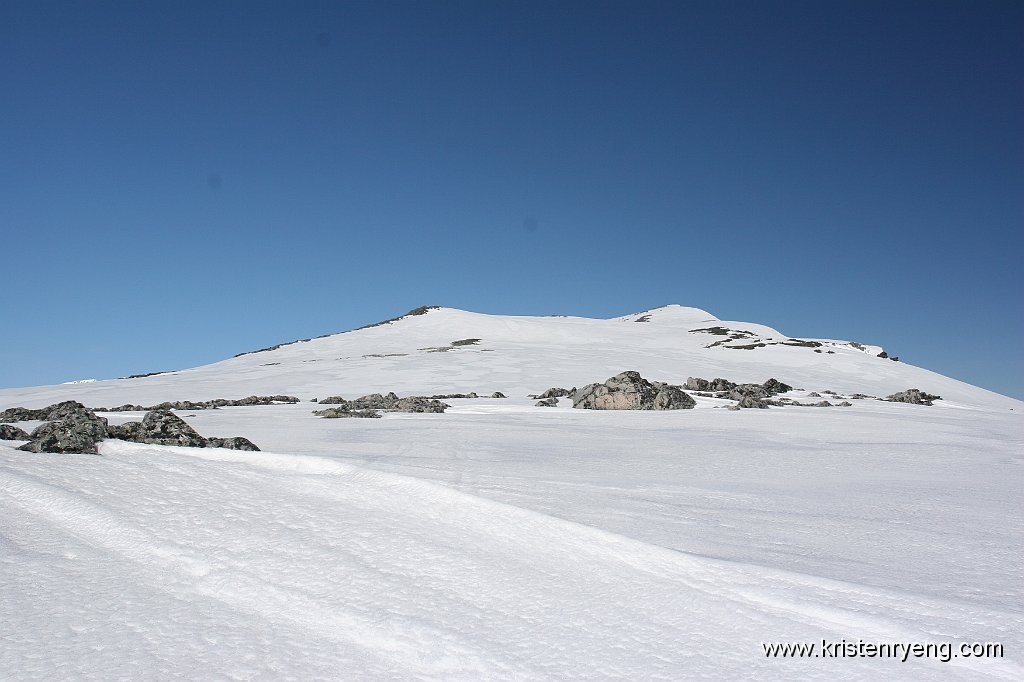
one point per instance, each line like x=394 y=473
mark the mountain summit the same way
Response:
x=445 y=350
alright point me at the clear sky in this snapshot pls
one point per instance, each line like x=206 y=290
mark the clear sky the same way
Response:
x=182 y=181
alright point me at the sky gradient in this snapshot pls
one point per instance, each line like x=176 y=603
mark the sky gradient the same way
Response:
x=182 y=181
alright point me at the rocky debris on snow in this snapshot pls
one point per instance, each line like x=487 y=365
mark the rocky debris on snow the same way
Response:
x=498 y=394
x=51 y=413
x=422 y=310
x=554 y=392
x=913 y=396
x=548 y=402
x=8 y=432
x=774 y=386
x=162 y=427
x=630 y=391
x=454 y=396
x=845 y=404
x=750 y=401
x=73 y=429
x=466 y=342
x=233 y=443
x=861 y=396
x=343 y=412
x=205 y=404
x=747 y=395
x=375 y=402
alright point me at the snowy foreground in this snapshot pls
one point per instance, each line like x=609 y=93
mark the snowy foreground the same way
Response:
x=502 y=541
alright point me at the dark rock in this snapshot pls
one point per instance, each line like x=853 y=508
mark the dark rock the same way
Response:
x=715 y=385
x=749 y=401
x=774 y=386
x=129 y=431
x=418 y=404
x=344 y=412
x=161 y=427
x=78 y=431
x=233 y=443
x=630 y=391
x=883 y=354
x=913 y=396
x=813 y=394
x=498 y=394
x=8 y=432
x=22 y=414
x=555 y=393
x=845 y=404
x=548 y=402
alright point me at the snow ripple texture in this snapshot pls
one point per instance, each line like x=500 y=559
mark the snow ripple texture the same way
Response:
x=160 y=563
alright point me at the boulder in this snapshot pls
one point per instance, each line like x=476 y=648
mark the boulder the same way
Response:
x=498 y=394
x=630 y=391
x=417 y=404
x=548 y=402
x=22 y=414
x=913 y=396
x=129 y=431
x=233 y=443
x=8 y=432
x=161 y=427
x=344 y=412
x=78 y=431
x=774 y=386
x=555 y=392
x=749 y=401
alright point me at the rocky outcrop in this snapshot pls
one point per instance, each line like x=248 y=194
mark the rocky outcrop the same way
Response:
x=161 y=427
x=548 y=402
x=630 y=391
x=8 y=432
x=344 y=412
x=75 y=430
x=375 y=402
x=715 y=385
x=913 y=396
x=233 y=443
x=205 y=404
x=555 y=392
x=498 y=394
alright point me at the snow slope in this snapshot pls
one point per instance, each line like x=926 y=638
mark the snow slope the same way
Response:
x=519 y=355
x=501 y=541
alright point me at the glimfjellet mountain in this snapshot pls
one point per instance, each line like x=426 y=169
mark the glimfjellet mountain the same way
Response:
x=493 y=538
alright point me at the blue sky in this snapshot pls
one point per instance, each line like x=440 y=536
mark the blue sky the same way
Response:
x=182 y=181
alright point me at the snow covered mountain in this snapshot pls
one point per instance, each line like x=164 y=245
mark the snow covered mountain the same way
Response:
x=443 y=350
x=505 y=541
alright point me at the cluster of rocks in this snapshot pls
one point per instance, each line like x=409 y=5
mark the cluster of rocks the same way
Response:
x=913 y=396
x=73 y=428
x=204 y=404
x=454 y=396
x=747 y=396
x=630 y=391
x=369 y=406
x=554 y=392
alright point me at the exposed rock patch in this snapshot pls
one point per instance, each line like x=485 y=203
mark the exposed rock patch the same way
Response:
x=630 y=391
x=913 y=396
x=8 y=432
x=548 y=402
x=205 y=404
x=73 y=429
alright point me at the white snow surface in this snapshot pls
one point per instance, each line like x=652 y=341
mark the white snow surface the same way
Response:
x=502 y=541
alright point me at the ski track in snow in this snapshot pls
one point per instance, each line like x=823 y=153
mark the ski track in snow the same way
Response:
x=409 y=579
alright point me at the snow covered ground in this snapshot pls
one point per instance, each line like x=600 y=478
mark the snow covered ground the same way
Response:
x=504 y=541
